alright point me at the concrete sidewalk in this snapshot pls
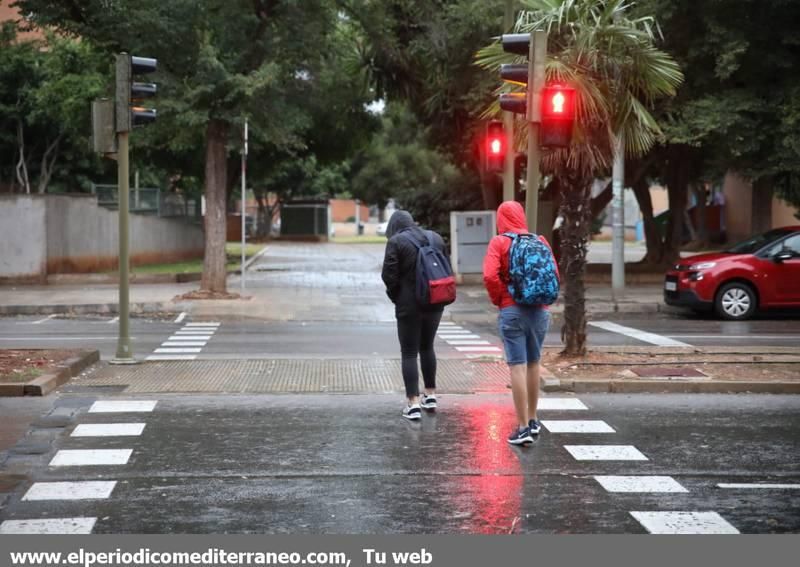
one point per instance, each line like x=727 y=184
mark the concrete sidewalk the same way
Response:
x=285 y=301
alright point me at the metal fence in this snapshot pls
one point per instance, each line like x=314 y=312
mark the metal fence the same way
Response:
x=149 y=200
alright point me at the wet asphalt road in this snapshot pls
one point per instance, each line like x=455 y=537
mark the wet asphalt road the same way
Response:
x=251 y=340
x=351 y=464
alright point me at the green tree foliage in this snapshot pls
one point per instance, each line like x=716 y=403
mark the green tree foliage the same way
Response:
x=220 y=61
x=738 y=109
x=45 y=97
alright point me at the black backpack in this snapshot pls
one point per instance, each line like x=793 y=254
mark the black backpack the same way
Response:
x=435 y=283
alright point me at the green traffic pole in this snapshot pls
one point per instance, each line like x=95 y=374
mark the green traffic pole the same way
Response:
x=124 y=351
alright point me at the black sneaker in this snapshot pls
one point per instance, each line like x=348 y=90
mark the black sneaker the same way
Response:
x=520 y=436
x=428 y=402
x=535 y=426
x=412 y=412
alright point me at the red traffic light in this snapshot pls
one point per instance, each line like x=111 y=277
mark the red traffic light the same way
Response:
x=495 y=146
x=558 y=102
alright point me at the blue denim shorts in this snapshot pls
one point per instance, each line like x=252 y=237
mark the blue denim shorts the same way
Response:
x=523 y=329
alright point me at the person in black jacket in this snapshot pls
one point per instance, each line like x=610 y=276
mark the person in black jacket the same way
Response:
x=416 y=325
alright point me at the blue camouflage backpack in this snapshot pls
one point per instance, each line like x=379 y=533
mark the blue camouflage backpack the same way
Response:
x=532 y=275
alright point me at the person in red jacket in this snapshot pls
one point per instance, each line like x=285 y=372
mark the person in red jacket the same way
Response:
x=522 y=327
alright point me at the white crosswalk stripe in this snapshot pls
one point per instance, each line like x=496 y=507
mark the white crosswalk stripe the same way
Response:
x=640 y=484
x=684 y=523
x=605 y=453
x=122 y=406
x=108 y=430
x=84 y=490
x=577 y=426
x=66 y=526
x=90 y=457
x=186 y=343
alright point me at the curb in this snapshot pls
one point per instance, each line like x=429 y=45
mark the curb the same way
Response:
x=549 y=383
x=87 y=309
x=46 y=383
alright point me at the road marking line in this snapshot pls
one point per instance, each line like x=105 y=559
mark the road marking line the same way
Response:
x=577 y=426
x=108 y=430
x=477 y=349
x=177 y=350
x=90 y=457
x=208 y=324
x=561 y=404
x=756 y=337
x=454 y=332
x=86 y=490
x=457 y=337
x=68 y=526
x=208 y=332
x=171 y=343
x=605 y=453
x=640 y=484
x=105 y=338
x=454 y=342
x=684 y=523
x=194 y=334
x=180 y=318
x=446 y=323
x=757 y=485
x=643 y=336
x=40 y=321
x=122 y=406
x=114 y=320
x=452 y=328
x=157 y=357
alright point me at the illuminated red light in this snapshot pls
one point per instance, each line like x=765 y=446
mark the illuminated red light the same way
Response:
x=496 y=146
x=558 y=102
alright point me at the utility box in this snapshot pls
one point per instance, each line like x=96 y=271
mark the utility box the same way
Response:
x=470 y=233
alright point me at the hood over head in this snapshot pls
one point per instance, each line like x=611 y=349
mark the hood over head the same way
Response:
x=511 y=218
x=400 y=220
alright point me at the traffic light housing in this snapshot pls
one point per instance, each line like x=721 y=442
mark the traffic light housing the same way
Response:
x=558 y=116
x=517 y=73
x=129 y=92
x=496 y=146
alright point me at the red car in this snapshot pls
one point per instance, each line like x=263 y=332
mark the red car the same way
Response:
x=760 y=273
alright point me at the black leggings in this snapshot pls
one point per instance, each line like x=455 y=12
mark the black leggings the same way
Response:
x=417 y=333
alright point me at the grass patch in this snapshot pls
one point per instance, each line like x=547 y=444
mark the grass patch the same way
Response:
x=233 y=250
x=24 y=376
x=367 y=239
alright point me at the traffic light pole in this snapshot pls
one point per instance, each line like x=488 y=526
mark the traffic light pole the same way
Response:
x=618 y=220
x=122 y=115
x=124 y=351
x=536 y=71
x=509 y=183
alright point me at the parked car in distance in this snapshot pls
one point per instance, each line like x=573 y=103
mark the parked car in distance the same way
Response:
x=763 y=272
x=381 y=230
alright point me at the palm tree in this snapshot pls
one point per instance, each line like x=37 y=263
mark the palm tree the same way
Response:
x=611 y=60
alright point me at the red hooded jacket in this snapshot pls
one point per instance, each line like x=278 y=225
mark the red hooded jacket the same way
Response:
x=510 y=218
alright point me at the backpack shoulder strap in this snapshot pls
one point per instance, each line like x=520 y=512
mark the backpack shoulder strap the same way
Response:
x=511 y=235
x=411 y=239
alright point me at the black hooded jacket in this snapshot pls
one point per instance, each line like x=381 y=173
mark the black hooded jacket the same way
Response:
x=400 y=263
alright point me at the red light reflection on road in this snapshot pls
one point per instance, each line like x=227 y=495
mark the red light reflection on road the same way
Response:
x=496 y=489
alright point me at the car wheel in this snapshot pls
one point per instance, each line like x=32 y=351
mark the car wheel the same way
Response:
x=736 y=301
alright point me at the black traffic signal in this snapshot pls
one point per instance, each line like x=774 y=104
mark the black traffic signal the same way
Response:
x=130 y=92
x=496 y=146
x=517 y=73
x=558 y=116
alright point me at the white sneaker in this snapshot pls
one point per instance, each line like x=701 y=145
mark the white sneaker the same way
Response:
x=412 y=412
x=428 y=402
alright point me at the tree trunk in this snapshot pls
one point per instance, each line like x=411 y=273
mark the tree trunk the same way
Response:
x=652 y=236
x=48 y=163
x=700 y=214
x=214 y=271
x=22 y=164
x=677 y=178
x=575 y=232
x=761 y=210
